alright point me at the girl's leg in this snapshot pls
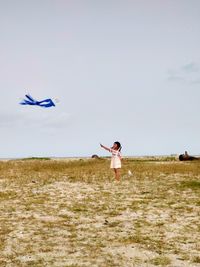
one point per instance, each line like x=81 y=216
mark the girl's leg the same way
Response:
x=117 y=174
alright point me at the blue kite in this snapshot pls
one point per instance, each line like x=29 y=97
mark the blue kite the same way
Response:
x=46 y=103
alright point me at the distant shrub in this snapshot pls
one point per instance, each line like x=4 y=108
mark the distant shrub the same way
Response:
x=36 y=158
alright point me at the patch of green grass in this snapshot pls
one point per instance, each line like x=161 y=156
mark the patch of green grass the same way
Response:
x=4 y=231
x=150 y=159
x=132 y=239
x=3 y=263
x=194 y=184
x=5 y=195
x=72 y=265
x=196 y=259
x=137 y=261
x=114 y=224
x=160 y=261
x=79 y=207
x=36 y=158
x=198 y=203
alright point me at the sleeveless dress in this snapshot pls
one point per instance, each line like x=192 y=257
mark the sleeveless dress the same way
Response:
x=115 y=159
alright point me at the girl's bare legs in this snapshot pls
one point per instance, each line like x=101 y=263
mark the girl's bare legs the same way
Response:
x=117 y=174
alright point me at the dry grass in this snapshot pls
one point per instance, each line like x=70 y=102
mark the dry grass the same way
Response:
x=73 y=213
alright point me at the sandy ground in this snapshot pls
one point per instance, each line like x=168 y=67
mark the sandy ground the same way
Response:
x=133 y=222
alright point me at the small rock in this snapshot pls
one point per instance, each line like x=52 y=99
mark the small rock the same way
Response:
x=95 y=157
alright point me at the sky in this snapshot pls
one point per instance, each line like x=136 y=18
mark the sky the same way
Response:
x=123 y=70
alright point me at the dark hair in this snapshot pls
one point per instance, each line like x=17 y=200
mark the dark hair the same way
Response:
x=118 y=145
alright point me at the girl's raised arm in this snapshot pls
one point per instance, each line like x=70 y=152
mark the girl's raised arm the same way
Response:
x=106 y=148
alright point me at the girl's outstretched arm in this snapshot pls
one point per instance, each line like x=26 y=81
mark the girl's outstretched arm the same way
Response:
x=106 y=148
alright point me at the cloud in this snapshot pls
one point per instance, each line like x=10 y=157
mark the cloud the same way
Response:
x=188 y=73
x=57 y=120
x=37 y=119
x=174 y=77
x=191 y=68
x=195 y=81
x=8 y=119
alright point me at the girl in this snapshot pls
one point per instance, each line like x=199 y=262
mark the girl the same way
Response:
x=116 y=158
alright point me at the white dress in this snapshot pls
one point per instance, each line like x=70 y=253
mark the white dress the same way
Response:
x=115 y=159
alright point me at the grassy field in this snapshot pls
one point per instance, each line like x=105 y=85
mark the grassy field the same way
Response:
x=74 y=214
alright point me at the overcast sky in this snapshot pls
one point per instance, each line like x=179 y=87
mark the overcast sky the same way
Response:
x=122 y=70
